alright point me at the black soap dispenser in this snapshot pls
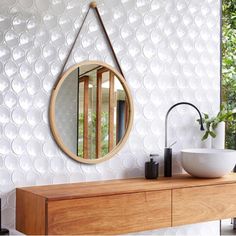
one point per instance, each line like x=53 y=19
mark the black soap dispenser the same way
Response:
x=151 y=168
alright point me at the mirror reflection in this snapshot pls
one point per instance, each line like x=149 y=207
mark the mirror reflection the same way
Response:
x=91 y=111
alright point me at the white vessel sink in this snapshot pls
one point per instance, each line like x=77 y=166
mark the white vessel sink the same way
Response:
x=208 y=163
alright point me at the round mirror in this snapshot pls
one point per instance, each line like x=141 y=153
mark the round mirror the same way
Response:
x=91 y=112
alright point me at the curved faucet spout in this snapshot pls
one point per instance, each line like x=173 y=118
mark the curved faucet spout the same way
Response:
x=177 y=104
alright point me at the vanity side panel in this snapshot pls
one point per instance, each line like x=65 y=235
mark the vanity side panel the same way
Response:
x=30 y=213
x=114 y=214
x=198 y=204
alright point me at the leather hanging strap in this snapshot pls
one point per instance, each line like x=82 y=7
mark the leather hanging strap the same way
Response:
x=68 y=55
x=92 y=5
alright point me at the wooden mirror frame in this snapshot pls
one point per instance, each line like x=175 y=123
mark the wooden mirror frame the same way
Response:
x=52 y=118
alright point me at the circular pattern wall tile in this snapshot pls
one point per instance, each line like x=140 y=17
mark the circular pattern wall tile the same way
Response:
x=41 y=67
x=34 y=148
x=34 y=116
x=33 y=24
x=58 y=6
x=4 y=83
x=25 y=132
x=5 y=22
x=25 y=101
x=33 y=54
x=57 y=165
x=10 y=68
x=40 y=100
x=11 y=38
x=41 y=164
x=5 y=178
x=10 y=131
x=41 y=132
x=142 y=96
x=50 y=149
x=50 y=20
x=18 y=116
x=25 y=70
x=18 y=54
x=57 y=38
x=18 y=146
x=48 y=83
x=55 y=68
x=10 y=217
x=33 y=85
x=1 y=99
x=45 y=179
x=19 y=23
x=26 y=40
x=10 y=99
x=5 y=53
x=11 y=162
x=49 y=53
x=167 y=50
x=42 y=5
x=32 y=177
x=77 y=177
x=60 y=178
x=5 y=115
x=18 y=178
x=26 y=163
x=26 y=3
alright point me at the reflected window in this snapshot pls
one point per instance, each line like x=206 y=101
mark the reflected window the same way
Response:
x=102 y=111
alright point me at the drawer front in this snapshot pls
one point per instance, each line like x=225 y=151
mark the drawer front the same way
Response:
x=192 y=205
x=113 y=214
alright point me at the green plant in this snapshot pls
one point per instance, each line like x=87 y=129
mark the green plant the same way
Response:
x=229 y=65
x=210 y=123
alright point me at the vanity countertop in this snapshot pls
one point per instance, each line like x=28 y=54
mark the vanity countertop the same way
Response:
x=123 y=206
x=121 y=186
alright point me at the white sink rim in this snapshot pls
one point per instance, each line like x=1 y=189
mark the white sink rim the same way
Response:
x=207 y=151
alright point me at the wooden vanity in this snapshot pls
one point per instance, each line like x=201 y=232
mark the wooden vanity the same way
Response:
x=123 y=206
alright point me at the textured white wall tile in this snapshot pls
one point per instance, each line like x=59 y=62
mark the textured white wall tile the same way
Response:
x=169 y=52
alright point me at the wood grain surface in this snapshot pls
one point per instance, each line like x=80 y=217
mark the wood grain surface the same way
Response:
x=111 y=187
x=110 y=214
x=123 y=206
x=197 y=204
x=30 y=213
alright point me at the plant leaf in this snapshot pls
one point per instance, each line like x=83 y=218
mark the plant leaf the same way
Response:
x=213 y=134
x=205 y=136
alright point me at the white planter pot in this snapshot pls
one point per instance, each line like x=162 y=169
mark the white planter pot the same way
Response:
x=219 y=141
x=207 y=142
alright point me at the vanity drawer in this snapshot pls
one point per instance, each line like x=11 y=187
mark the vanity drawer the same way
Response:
x=197 y=204
x=113 y=214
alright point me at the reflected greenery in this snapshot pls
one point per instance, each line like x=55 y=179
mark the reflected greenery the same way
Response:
x=92 y=124
x=229 y=65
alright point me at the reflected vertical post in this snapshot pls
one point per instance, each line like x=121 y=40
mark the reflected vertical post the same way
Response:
x=120 y=119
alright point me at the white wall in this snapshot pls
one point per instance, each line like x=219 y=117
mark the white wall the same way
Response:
x=168 y=50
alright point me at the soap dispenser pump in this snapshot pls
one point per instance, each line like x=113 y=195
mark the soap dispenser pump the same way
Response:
x=151 y=168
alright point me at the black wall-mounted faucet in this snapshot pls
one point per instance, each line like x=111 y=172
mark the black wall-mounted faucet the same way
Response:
x=168 y=150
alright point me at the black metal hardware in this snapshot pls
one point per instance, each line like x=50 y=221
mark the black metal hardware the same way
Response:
x=151 y=168
x=168 y=150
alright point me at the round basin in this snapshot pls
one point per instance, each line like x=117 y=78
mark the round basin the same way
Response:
x=208 y=163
